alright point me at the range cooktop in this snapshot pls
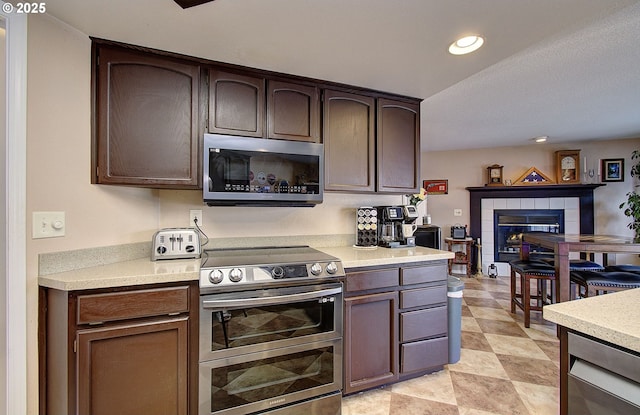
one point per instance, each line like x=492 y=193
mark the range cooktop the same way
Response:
x=230 y=268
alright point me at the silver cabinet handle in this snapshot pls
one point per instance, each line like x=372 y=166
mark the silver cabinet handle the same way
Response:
x=278 y=299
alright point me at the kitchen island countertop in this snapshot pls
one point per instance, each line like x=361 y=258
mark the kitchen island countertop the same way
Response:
x=613 y=317
x=144 y=271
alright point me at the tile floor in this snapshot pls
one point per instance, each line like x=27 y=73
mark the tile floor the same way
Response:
x=504 y=368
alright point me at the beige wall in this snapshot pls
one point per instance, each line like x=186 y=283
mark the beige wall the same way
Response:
x=58 y=163
x=336 y=215
x=468 y=168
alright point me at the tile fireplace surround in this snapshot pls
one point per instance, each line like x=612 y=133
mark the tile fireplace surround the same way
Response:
x=575 y=200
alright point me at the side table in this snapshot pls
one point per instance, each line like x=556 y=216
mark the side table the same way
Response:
x=462 y=250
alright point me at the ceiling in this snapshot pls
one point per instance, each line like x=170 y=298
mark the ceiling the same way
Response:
x=568 y=69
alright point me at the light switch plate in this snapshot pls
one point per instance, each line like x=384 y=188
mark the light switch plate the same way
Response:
x=457 y=212
x=48 y=225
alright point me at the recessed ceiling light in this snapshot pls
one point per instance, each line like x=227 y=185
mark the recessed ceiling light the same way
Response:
x=541 y=139
x=466 y=45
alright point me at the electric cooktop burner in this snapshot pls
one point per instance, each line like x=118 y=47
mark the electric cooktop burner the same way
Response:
x=229 y=268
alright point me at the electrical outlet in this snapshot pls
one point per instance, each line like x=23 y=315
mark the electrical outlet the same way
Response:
x=195 y=214
x=457 y=212
x=48 y=225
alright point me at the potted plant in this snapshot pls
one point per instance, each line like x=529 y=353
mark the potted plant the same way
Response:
x=632 y=205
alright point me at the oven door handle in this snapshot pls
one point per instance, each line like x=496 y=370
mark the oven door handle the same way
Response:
x=277 y=299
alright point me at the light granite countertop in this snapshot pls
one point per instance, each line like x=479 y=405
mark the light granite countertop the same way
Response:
x=613 y=317
x=144 y=271
x=122 y=274
x=354 y=257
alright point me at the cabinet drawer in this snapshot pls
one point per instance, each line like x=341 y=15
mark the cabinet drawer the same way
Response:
x=370 y=280
x=423 y=296
x=96 y=308
x=421 y=324
x=424 y=354
x=418 y=275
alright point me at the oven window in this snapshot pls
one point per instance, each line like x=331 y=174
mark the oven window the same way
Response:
x=255 y=325
x=271 y=378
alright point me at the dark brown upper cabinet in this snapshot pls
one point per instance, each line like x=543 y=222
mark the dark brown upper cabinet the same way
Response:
x=151 y=109
x=146 y=130
x=398 y=146
x=236 y=104
x=293 y=111
x=349 y=141
x=239 y=105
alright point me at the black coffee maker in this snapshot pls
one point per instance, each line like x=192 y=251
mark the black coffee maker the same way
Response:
x=396 y=226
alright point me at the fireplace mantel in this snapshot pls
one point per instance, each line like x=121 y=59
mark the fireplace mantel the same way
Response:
x=582 y=191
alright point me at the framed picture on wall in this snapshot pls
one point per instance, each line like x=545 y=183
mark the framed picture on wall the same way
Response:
x=612 y=170
x=436 y=187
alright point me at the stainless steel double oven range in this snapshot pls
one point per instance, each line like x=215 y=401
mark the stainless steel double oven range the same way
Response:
x=270 y=332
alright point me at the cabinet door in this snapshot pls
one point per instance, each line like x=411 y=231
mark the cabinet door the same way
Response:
x=370 y=341
x=147 y=121
x=349 y=142
x=398 y=143
x=133 y=369
x=293 y=112
x=236 y=104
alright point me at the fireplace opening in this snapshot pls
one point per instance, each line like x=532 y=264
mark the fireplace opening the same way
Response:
x=510 y=224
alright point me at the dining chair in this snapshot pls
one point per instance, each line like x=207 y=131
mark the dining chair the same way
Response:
x=592 y=283
x=529 y=270
x=624 y=268
x=577 y=264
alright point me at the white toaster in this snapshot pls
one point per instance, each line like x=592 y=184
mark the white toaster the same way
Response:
x=175 y=243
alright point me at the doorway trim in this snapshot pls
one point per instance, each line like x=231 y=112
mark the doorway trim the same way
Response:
x=15 y=200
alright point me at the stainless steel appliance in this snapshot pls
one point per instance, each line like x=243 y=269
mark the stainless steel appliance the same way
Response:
x=429 y=236
x=270 y=331
x=255 y=171
x=175 y=243
x=602 y=378
x=396 y=226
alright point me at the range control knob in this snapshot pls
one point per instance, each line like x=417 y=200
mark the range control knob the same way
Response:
x=316 y=269
x=235 y=275
x=162 y=249
x=216 y=276
x=277 y=272
x=332 y=268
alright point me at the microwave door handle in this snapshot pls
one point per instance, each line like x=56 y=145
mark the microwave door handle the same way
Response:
x=277 y=299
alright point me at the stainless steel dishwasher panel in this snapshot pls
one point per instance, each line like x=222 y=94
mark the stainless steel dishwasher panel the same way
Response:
x=602 y=379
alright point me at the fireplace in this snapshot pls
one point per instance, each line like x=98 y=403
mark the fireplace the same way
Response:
x=508 y=226
x=576 y=202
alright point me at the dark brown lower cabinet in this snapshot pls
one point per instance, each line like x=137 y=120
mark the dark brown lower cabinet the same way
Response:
x=124 y=350
x=395 y=324
x=133 y=369
x=424 y=341
x=371 y=341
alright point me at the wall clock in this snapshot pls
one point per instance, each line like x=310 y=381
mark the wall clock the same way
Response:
x=568 y=166
x=494 y=175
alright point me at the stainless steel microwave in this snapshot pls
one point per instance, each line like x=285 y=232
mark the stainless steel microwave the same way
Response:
x=261 y=172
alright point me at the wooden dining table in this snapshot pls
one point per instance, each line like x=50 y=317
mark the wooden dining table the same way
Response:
x=564 y=244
